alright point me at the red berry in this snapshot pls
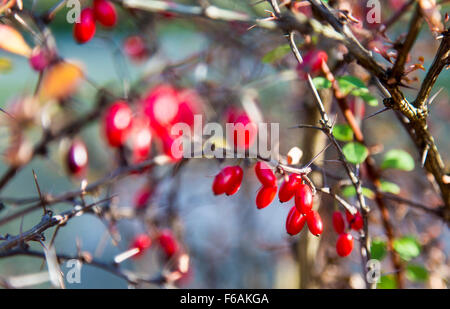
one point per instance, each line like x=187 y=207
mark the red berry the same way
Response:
x=117 y=123
x=105 y=13
x=265 y=174
x=356 y=221
x=142 y=197
x=289 y=187
x=344 y=244
x=85 y=29
x=312 y=62
x=244 y=131
x=303 y=198
x=141 y=139
x=141 y=242
x=303 y=7
x=228 y=180
x=314 y=221
x=221 y=181
x=338 y=222
x=235 y=182
x=77 y=158
x=135 y=48
x=161 y=106
x=189 y=105
x=172 y=146
x=265 y=196
x=39 y=59
x=168 y=243
x=294 y=221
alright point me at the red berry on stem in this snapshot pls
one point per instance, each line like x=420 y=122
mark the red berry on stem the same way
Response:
x=356 y=221
x=314 y=222
x=135 y=48
x=289 y=187
x=294 y=221
x=222 y=181
x=303 y=198
x=142 y=197
x=312 y=63
x=77 y=158
x=344 y=244
x=338 y=222
x=105 y=13
x=235 y=182
x=265 y=196
x=85 y=29
x=265 y=174
x=117 y=123
x=161 y=106
x=244 y=131
x=141 y=139
x=168 y=243
x=141 y=242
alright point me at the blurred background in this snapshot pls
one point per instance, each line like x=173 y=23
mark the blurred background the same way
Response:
x=231 y=244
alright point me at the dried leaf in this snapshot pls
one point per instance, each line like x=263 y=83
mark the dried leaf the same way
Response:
x=432 y=15
x=12 y=41
x=60 y=81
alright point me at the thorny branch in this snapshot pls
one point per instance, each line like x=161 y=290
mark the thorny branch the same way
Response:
x=412 y=116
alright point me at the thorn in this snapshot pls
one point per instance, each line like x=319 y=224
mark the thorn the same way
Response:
x=39 y=192
x=378 y=112
x=434 y=96
x=317 y=155
x=307 y=126
x=424 y=155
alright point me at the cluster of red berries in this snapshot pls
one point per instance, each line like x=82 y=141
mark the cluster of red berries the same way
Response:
x=102 y=11
x=229 y=181
x=165 y=239
x=160 y=109
x=344 y=244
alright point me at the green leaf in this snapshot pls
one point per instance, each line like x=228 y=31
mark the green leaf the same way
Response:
x=5 y=65
x=387 y=282
x=407 y=247
x=321 y=83
x=416 y=273
x=369 y=99
x=355 y=152
x=389 y=187
x=351 y=85
x=398 y=159
x=276 y=54
x=378 y=249
x=343 y=132
x=350 y=191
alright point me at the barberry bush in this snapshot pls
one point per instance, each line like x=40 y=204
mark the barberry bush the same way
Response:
x=101 y=101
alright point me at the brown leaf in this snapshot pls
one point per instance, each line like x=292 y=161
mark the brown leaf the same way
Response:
x=11 y=40
x=60 y=81
x=432 y=15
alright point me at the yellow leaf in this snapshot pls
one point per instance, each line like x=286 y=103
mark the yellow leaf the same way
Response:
x=60 y=81
x=5 y=65
x=11 y=40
